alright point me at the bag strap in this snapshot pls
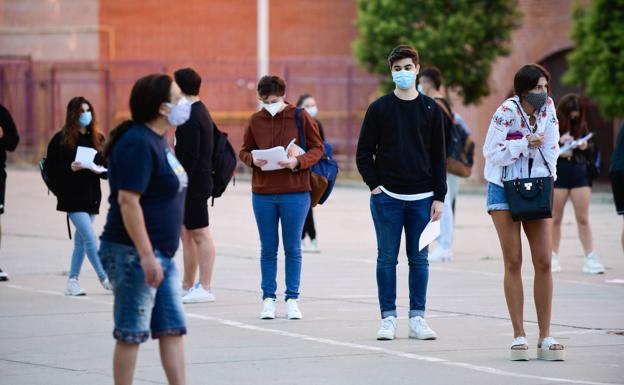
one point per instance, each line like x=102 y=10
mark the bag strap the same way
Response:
x=442 y=105
x=300 y=128
x=533 y=131
x=68 y=228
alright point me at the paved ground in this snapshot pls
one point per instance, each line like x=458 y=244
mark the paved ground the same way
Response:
x=47 y=338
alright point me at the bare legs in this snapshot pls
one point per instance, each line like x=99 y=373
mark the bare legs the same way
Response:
x=539 y=234
x=199 y=251
x=580 y=200
x=171 y=356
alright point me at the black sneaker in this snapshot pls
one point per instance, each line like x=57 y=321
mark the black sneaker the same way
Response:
x=3 y=276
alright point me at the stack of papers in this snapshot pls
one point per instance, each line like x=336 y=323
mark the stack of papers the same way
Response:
x=277 y=154
x=86 y=156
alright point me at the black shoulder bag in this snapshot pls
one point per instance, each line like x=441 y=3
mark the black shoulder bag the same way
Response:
x=529 y=198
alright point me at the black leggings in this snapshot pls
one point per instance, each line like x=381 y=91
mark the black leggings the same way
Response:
x=308 y=226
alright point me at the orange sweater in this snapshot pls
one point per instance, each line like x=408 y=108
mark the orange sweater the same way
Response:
x=265 y=131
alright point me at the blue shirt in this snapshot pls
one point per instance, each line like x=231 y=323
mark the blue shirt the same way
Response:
x=142 y=162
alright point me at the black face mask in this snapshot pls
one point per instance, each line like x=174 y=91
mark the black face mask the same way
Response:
x=536 y=100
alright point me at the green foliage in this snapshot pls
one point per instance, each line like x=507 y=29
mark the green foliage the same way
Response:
x=460 y=37
x=597 y=61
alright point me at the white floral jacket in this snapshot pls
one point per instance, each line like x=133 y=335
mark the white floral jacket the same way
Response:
x=506 y=144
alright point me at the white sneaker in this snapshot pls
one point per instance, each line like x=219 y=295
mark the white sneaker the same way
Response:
x=268 y=309
x=292 y=309
x=555 y=266
x=592 y=265
x=198 y=294
x=419 y=329
x=387 y=330
x=313 y=248
x=304 y=246
x=73 y=288
x=440 y=255
x=106 y=284
x=3 y=276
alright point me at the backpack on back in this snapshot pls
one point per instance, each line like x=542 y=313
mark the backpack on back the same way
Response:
x=326 y=168
x=46 y=177
x=459 y=147
x=223 y=163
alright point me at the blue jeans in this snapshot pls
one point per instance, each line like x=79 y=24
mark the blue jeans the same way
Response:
x=138 y=308
x=291 y=209
x=85 y=240
x=391 y=216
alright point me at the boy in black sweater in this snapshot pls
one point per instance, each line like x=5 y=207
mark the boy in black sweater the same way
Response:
x=194 y=148
x=402 y=159
x=8 y=142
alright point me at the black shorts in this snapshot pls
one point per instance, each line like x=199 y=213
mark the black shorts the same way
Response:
x=617 y=184
x=3 y=177
x=571 y=174
x=195 y=212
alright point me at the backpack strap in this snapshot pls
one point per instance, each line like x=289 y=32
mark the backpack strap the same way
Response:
x=299 y=124
x=445 y=109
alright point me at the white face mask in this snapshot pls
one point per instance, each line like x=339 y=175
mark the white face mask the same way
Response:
x=312 y=111
x=273 y=108
x=179 y=113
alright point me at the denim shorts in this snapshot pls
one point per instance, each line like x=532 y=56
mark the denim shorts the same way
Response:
x=140 y=309
x=496 y=198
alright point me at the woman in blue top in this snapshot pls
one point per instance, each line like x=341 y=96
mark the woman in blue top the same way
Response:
x=142 y=231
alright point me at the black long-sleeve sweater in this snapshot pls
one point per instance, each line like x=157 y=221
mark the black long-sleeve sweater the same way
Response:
x=10 y=138
x=77 y=191
x=401 y=146
x=194 y=148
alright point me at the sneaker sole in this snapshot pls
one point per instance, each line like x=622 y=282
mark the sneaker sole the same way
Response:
x=75 y=295
x=385 y=338
x=267 y=317
x=200 y=300
x=3 y=279
x=295 y=317
x=426 y=338
x=590 y=271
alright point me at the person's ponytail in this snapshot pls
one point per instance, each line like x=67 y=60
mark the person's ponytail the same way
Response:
x=114 y=137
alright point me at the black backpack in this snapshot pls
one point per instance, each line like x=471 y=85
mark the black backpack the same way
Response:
x=46 y=177
x=51 y=187
x=223 y=163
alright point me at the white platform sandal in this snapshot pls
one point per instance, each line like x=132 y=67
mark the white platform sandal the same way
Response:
x=547 y=352
x=519 y=349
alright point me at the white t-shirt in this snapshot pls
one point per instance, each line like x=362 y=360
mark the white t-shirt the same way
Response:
x=407 y=197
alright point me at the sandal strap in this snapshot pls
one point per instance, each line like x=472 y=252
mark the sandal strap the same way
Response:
x=547 y=343
x=519 y=341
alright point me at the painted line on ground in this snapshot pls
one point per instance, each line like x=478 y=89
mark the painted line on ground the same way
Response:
x=350 y=345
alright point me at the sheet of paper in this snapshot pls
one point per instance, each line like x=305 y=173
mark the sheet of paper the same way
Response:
x=429 y=234
x=272 y=156
x=571 y=145
x=86 y=157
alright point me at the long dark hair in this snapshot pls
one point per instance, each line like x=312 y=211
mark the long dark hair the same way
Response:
x=568 y=104
x=148 y=94
x=70 y=131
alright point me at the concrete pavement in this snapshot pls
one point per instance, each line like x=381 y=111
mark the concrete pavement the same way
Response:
x=47 y=338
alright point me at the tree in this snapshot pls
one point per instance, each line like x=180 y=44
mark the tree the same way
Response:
x=597 y=61
x=460 y=37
